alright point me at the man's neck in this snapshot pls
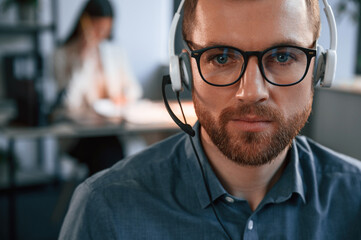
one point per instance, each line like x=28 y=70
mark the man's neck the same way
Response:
x=249 y=183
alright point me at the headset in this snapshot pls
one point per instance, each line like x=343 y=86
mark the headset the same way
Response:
x=180 y=72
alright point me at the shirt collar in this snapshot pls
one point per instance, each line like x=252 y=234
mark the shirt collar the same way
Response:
x=290 y=182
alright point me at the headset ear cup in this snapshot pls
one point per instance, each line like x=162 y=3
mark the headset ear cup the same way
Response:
x=174 y=72
x=330 y=68
x=319 y=67
x=185 y=69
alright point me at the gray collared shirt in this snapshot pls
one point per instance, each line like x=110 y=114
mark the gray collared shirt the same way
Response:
x=160 y=194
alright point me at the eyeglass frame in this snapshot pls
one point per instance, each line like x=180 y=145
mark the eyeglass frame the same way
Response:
x=196 y=54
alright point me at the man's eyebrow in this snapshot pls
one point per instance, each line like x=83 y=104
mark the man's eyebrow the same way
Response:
x=291 y=42
x=195 y=46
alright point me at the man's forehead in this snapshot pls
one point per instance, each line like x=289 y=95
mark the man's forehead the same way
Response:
x=250 y=8
x=223 y=22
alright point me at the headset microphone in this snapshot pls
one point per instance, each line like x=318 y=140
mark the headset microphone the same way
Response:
x=184 y=126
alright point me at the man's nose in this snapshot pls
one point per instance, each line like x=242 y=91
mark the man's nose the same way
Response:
x=252 y=86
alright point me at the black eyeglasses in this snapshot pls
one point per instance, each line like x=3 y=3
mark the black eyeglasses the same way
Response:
x=280 y=65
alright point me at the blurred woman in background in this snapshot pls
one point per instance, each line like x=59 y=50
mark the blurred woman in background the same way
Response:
x=88 y=68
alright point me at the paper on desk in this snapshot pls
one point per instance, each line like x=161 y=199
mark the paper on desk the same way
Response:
x=106 y=108
x=146 y=112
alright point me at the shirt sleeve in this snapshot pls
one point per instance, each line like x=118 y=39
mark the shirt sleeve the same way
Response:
x=87 y=217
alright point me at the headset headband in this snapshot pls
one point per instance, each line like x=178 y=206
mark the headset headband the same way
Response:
x=332 y=25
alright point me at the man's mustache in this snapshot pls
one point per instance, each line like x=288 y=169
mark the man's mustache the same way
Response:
x=256 y=110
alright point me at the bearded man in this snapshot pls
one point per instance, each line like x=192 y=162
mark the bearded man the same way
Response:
x=246 y=174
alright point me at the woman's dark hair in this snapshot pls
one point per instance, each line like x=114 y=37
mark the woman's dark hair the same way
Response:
x=92 y=9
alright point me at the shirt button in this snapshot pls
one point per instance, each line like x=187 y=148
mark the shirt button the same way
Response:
x=250 y=225
x=229 y=199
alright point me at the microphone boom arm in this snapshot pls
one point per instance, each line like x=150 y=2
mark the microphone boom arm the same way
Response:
x=185 y=127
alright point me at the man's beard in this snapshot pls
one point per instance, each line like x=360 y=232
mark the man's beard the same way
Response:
x=252 y=148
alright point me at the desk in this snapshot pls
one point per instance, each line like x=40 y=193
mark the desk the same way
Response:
x=84 y=123
x=87 y=125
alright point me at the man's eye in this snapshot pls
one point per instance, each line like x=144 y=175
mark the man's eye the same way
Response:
x=223 y=59
x=282 y=57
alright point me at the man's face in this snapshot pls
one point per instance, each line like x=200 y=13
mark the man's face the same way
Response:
x=252 y=121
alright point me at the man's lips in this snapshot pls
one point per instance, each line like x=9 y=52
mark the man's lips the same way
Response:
x=251 y=123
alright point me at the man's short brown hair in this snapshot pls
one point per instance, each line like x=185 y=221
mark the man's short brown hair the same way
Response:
x=190 y=9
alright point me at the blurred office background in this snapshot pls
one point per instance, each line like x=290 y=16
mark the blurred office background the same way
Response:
x=28 y=37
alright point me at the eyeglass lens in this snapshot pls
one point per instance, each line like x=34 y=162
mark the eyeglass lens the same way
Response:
x=281 y=65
